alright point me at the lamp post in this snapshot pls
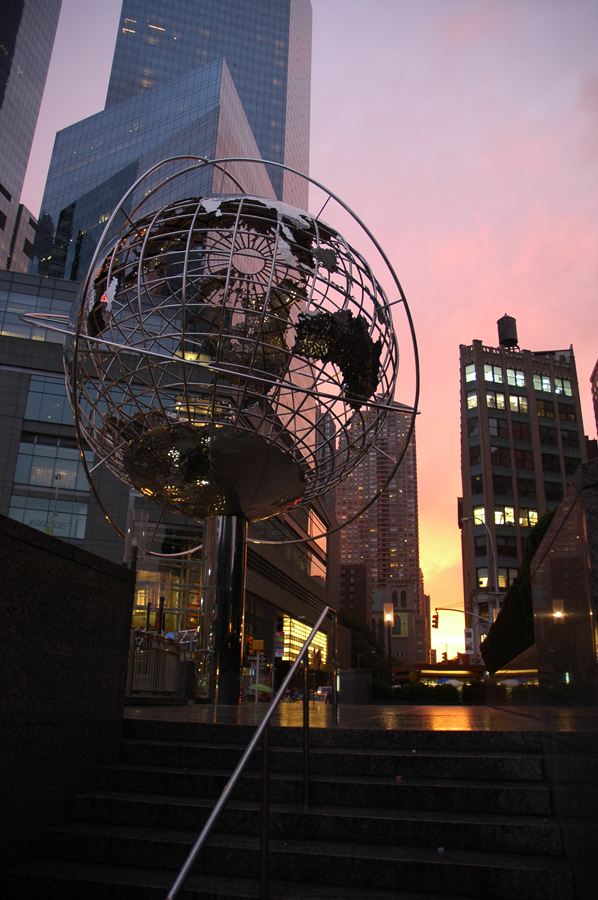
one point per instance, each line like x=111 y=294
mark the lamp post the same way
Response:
x=57 y=479
x=495 y=593
x=494 y=567
x=388 y=618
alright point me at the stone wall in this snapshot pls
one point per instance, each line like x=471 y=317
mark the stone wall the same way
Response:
x=66 y=618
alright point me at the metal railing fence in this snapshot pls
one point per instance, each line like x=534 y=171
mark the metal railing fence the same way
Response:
x=263 y=730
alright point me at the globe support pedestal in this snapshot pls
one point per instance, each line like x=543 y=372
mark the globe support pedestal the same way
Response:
x=223 y=605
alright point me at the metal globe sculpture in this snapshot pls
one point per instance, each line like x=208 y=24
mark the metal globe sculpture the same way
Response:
x=217 y=340
x=231 y=358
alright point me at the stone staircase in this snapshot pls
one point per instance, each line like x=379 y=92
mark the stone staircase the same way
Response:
x=403 y=815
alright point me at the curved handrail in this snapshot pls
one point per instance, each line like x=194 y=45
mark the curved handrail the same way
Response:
x=223 y=799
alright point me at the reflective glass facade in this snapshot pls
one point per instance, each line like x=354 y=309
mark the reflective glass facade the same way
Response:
x=28 y=30
x=267 y=47
x=96 y=160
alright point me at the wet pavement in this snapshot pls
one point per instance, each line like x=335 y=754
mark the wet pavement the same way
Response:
x=392 y=717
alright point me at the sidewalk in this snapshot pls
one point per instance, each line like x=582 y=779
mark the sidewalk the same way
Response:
x=405 y=718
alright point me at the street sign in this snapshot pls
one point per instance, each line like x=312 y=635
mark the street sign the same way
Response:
x=279 y=645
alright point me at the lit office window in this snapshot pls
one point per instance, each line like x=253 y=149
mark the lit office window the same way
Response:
x=542 y=383
x=504 y=515
x=518 y=404
x=563 y=386
x=516 y=377
x=479 y=515
x=472 y=400
x=506 y=577
x=493 y=373
x=470 y=373
x=482 y=575
x=528 y=517
x=494 y=400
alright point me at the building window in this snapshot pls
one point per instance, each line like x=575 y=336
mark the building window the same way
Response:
x=473 y=427
x=477 y=486
x=475 y=455
x=502 y=484
x=494 y=400
x=470 y=373
x=472 y=400
x=498 y=428
x=572 y=464
x=504 y=515
x=396 y=628
x=395 y=599
x=480 y=545
x=506 y=577
x=65 y=520
x=516 y=377
x=551 y=464
x=542 y=383
x=524 y=459
x=563 y=386
x=506 y=545
x=518 y=404
x=493 y=373
x=47 y=401
x=521 y=431
x=566 y=413
x=570 y=439
x=548 y=436
x=500 y=456
x=403 y=599
x=528 y=517
x=545 y=409
x=526 y=489
x=482 y=576
x=553 y=491
x=45 y=461
x=479 y=515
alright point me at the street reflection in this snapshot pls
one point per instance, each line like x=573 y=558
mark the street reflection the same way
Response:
x=390 y=718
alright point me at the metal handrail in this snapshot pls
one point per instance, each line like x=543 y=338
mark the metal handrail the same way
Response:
x=261 y=730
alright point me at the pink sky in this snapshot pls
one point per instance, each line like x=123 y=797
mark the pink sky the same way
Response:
x=465 y=134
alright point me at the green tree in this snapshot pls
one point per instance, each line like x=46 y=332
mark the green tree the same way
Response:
x=513 y=631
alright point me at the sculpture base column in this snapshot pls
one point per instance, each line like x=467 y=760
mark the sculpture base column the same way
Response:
x=223 y=607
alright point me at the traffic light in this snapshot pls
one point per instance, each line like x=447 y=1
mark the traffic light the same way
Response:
x=435 y=620
x=445 y=656
x=248 y=645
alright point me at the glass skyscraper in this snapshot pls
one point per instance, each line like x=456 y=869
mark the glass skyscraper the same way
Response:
x=201 y=77
x=28 y=29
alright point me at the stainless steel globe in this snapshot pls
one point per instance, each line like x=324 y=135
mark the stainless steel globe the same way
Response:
x=222 y=344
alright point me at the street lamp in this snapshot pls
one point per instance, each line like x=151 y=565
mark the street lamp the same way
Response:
x=388 y=618
x=494 y=567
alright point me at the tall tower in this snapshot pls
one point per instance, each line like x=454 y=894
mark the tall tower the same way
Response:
x=28 y=30
x=267 y=48
x=521 y=443
x=386 y=537
x=214 y=78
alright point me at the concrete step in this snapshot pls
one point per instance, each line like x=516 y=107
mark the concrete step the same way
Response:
x=504 y=833
x=525 y=798
x=48 y=879
x=329 y=761
x=494 y=875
